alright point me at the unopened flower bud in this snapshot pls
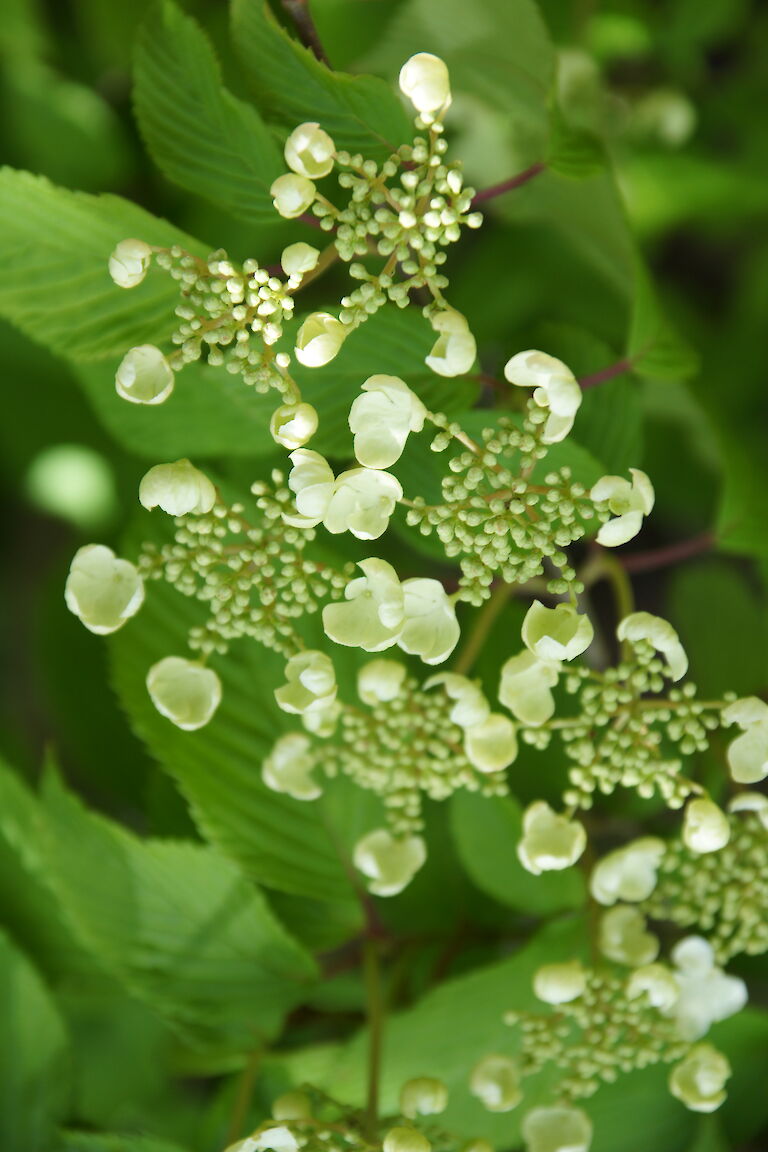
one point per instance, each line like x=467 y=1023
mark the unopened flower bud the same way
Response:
x=557 y=1130
x=179 y=489
x=406 y=1140
x=144 y=376
x=425 y=81
x=380 y=681
x=550 y=842
x=289 y=766
x=624 y=939
x=129 y=262
x=292 y=195
x=423 y=1096
x=389 y=862
x=319 y=339
x=299 y=258
x=555 y=634
x=699 y=1081
x=560 y=983
x=705 y=826
x=629 y=873
x=311 y=683
x=102 y=590
x=275 y=1140
x=495 y=1080
x=309 y=151
x=292 y=1106
x=454 y=351
x=491 y=745
x=185 y=692
x=293 y=425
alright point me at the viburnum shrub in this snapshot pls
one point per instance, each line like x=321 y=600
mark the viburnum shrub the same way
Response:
x=365 y=563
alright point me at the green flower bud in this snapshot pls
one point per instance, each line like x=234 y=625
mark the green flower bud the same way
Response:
x=423 y=1096
x=495 y=1080
x=292 y=195
x=144 y=376
x=129 y=262
x=179 y=489
x=557 y=1130
x=186 y=693
x=406 y=1140
x=389 y=862
x=293 y=425
x=309 y=151
x=292 y=1106
x=102 y=590
x=699 y=1081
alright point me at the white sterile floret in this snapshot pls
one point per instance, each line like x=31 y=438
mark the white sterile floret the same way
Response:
x=554 y=634
x=629 y=873
x=495 y=1080
x=423 y=1096
x=623 y=937
x=299 y=258
x=389 y=862
x=425 y=81
x=469 y=703
x=657 y=983
x=381 y=419
x=292 y=195
x=293 y=425
x=525 y=687
x=102 y=590
x=319 y=339
x=309 y=151
x=699 y=1080
x=550 y=841
x=628 y=501
x=491 y=745
x=179 y=489
x=129 y=262
x=748 y=753
x=312 y=481
x=404 y=1139
x=560 y=983
x=705 y=826
x=372 y=613
x=362 y=503
x=323 y=720
x=292 y=1106
x=380 y=681
x=185 y=692
x=144 y=376
x=706 y=993
x=278 y=1139
x=454 y=351
x=643 y=627
x=311 y=683
x=751 y=802
x=288 y=768
x=555 y=388
x=557 y=1129
x=430 y=628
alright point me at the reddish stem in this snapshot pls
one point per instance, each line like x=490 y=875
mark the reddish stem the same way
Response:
x=299 y=12
x=672 y=554
x=508 y=185
x=617 y=369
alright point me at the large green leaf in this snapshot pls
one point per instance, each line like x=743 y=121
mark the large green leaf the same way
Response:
x=175 y=922
x=361 y=113
x=54 y=284
x=654 y=347
x=33 y=1056
x=199 y=134
x=104 y=1142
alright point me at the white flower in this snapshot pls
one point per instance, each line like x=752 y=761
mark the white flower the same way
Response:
x=292 y=195
x=657 y=983
x=550 y=842
x=299 y=258
x=179 y=489
x=405 y=1140
x=309 y=151
x=557 y=1129
x=560 y=983
x=288 y=768
x=382 y=418
x=751 y=802
x=373 y=612
x=292 y=1106
x=642 y=627
x=362 y=503
x=491 y=745
x=525 y=687
x=629 y=503
x=323 y=720
x=555 y=388
x=554 y=634
x=312 y=481
x=275 y=1140
x=185 y=692
x=495 y=1080
x=389 y=862
x=430 y=628
x=319 y=339
x=380 y=681
x=423 y=1096
x=699 y=1080
x=748 y=753
x=129 y=262
x=292 y=425
x=470 y=705
x=705 y=826
x=311 y=683
x=706 y=993
x=629 y=873
x=454 y=351
x=424 y=80
x=102 y=590
x=144 y=376
x=624 y=939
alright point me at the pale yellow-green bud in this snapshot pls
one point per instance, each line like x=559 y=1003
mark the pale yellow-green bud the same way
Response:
x=179 y=489
x=184 y=692
x=495 y=1080
x=425 y=81
x=624 y=939
x=292 y=195
x=144 y=376
x=525 y=688
x=554 y=634
x=557 y=1130
x=550 y=842
x=560 y=983
x=299 y=258
x=406 y=1140
x=102 y=590
x=319 y=339
x=277 y=1139
x=292 y=1106
x=389 y=862
x=380 y=681
x=491 y=745
x=628 y=873
x=129 y=262
x=423 y=1096
x=657 y=983
x=309 y=151
x=293 y=425
x=699 y=1081
x=288 y=768
x=705 y=826
x=311 y=683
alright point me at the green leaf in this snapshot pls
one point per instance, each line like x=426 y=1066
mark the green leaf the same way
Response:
x=654 y=347
x=743 y=511
x=199 y=134
x=33 y=1056
x=573 y=152
x=487 y=831
x=177 y=924
x=54 y=284
x=361 y=113
x=102 y=1142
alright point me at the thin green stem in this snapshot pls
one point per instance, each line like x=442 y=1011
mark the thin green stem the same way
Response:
x=375 y=1010
x=243 y=1097
x=485 y=621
